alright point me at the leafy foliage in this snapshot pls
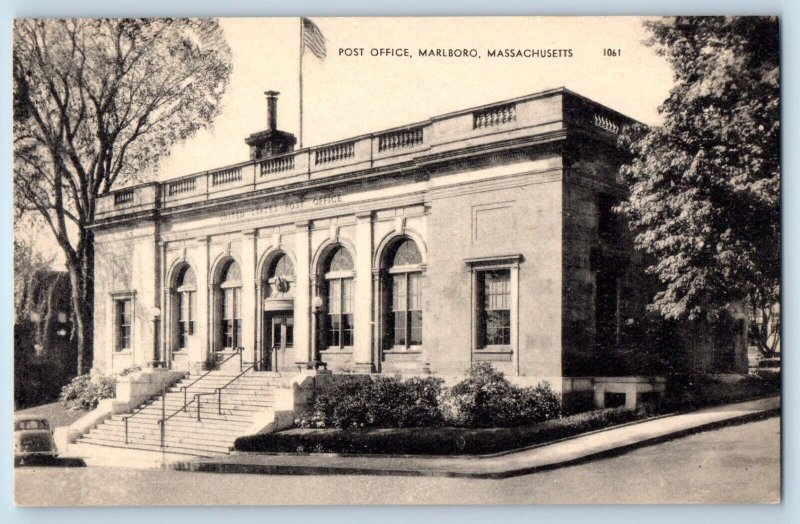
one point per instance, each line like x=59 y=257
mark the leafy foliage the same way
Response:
x=705 y=185
x=686 y=393
x=86 y=391
x=485 y=398
x=363 y=401
x=435 y=441
x=97 y=102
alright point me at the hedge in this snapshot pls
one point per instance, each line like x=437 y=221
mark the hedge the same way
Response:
x=433 y=441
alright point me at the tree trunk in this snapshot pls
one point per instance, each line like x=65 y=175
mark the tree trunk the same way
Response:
x=81 y=273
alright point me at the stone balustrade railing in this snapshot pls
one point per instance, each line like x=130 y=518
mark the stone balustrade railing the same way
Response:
x=606 y=123
x=334 y=153
x=123 y=197
x=226 y=176
x=184 y=185
x=511 y=120
x=495 y=116
x=401 y=139
x=277 y=165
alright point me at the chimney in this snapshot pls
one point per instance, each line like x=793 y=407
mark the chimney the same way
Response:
x=270 y=142
x=272 y=110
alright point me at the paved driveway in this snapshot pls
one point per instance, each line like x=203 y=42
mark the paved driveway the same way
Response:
x=734 y=464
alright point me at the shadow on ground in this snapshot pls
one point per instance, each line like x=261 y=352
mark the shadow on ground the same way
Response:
x=52 y=462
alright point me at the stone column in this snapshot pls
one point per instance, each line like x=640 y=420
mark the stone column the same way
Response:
x=362 y=352
x=203 y=313
x=144 y=276
x=249 y=295
x=377 y=319
x=160 y=352
x=302 y=296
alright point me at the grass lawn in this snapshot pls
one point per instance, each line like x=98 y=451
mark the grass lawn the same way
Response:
x=56 y=413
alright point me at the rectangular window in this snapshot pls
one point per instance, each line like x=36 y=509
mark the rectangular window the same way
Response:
x=290 y=332
x=232 y=318
x=399 y=310
x=415 y=309
x=406 y=314
x=347 y=312
x=124 y=320
x=334 y=313
x=185 y=318
x=340 y=312
x=494 y=302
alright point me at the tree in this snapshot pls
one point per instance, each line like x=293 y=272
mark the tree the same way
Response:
x=28 y=262
x=705 y=185
x=97 y=102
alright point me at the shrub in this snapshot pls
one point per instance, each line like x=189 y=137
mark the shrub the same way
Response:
x=487 y=399
x=86 y=391
x=698 y=391
x=363 y=401
x=435 y=441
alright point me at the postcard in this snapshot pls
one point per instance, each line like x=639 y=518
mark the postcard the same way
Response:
x=391 y=261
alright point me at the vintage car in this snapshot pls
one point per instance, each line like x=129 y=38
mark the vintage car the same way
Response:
x=32 y=438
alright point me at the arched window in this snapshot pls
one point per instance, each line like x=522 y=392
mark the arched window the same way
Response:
x=339 y=293
x=185 y=291
x=230 y=307
x=403 y=305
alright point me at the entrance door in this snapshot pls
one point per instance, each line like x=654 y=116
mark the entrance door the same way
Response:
x=279 y=336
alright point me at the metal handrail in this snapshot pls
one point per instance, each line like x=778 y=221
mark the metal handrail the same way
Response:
x=139 y=410
x=184 y=389
x=218 y=391
x=163 y=422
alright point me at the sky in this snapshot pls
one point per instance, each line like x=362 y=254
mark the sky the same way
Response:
x=346 y=96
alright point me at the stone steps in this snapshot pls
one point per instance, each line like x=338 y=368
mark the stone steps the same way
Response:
x=171 y=435
x=213 y=434
x=170 y=447
x=180 y=428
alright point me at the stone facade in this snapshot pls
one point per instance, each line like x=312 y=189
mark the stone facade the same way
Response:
x=480 y=235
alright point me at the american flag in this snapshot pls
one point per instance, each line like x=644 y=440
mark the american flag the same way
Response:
x=313 y=39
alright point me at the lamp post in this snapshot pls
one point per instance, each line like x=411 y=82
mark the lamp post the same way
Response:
x=318 y=306
x=155 y=314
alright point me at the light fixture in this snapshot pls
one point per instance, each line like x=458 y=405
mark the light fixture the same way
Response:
x=317 y=303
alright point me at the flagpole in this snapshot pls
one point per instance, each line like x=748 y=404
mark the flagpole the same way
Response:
x=302 y=48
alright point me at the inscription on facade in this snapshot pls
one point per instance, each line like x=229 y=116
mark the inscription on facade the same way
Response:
x=282 y=207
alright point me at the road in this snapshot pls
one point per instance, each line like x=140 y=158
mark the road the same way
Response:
x=737 y=464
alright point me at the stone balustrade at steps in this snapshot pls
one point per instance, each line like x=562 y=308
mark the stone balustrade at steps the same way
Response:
x=219 y=426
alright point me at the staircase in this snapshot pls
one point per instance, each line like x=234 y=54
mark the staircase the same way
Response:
x=213 y=434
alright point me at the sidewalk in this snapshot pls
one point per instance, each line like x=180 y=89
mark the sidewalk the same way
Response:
x=549 y=456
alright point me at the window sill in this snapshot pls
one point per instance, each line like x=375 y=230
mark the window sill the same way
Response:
x=122 y=352
x=403 y=351
x=492 y=354
x=347 y=350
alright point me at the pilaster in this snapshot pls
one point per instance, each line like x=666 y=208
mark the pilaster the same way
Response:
x=362 y=351
x=249 y=295
x=303 y=291
x=203 y=315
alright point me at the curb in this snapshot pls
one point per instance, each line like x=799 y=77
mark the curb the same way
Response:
x=285 y=469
